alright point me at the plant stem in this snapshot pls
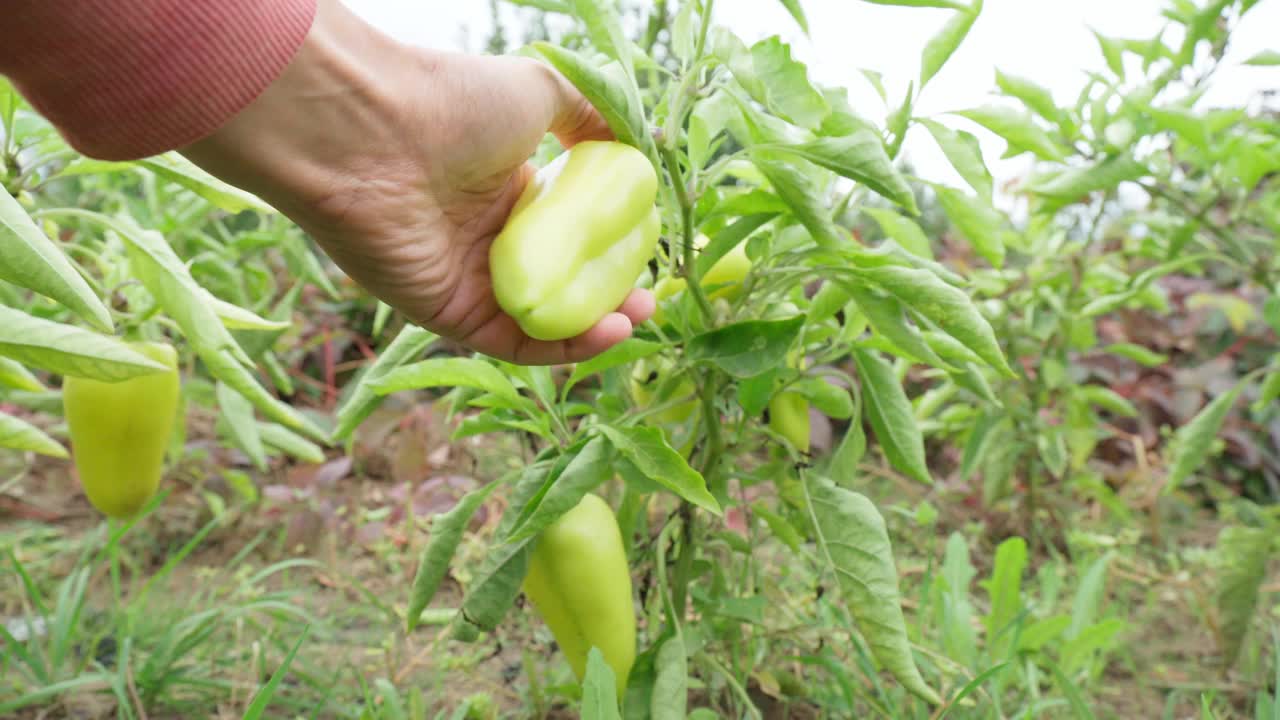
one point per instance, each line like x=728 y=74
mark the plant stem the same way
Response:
x=657 y=19
x=688 y=267
x=684 y=563
x=706 y=27
x=733 y=683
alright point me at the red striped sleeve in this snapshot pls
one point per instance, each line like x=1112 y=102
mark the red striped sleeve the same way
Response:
x=124 y=79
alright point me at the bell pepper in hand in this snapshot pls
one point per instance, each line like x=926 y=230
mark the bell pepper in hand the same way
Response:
x=577 y=240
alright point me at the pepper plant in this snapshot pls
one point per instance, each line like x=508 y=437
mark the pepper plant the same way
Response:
x=805 y=280
x=769 y=308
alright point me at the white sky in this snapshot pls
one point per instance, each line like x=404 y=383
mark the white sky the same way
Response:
x=1048 y=41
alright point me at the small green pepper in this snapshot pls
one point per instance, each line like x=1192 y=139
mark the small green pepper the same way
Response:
x=120 y=431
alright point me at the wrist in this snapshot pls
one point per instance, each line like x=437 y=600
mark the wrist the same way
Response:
x=292 y=146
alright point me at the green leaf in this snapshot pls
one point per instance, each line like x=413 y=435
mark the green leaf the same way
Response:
x=235 y=317
x=532 y=484
x=1184 y=123
x=1037 y=635
x=69 y=350
x=729 y=238
x=965 y=155
x=627 y=351
x=1098 y=637
x=599 y=689
x=604 y=27
x=178 y=170
x=787 y=89
x=889 y=412
x=746 y=349
x=942 y=45
x=885 y=315
x=1112 y=52
x=902 y=230
x=1192 y=442
x=48 y=402
x=262 y=698
x=298 y=251
x=281 y=438
x=14 y=375
x=953 y=608
x=493 y=591
x=35 y=262
x=647 y=449
x=977 y=220
x=773 y=78
x=754 y=393
x=1090 y=593
x=1051 y=445
x=860 y=157
x=1078 y=705
x=1264 y=58
x=950 y=349
x=945 y=306
x=753 y=202
x=392 y=707
x=876 y=79
x=854 y=543
x=799 y=192
x=608 y=93
x=684 y=30
x=447 y=372
x=1269 y=392
x=1005 y=591
x=534 y=377
x=1073 y=184
x=827 y=398
x=1108 y=400
x=779 y=526
x=237 y=412
x=18 y=434
x=362 y=401
x=797 y=13
x=169 y=281
x=1016 y=128
x=446 y=534
x=670 y=697
x=223 y=366
x=588 y=468
x=843 y=466
x=1036 y=97
x=1242 y=567
x=978 y=443
x=1138 y=354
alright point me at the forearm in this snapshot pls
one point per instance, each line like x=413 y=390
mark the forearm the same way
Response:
x=123 y=79
x=295 y=145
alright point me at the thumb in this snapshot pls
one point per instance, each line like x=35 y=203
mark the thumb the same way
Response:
x=575 y=119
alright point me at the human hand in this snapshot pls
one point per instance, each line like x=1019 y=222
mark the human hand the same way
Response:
x=404 y=165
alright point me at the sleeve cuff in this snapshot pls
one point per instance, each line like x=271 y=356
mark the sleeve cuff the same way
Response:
x=128 y=79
